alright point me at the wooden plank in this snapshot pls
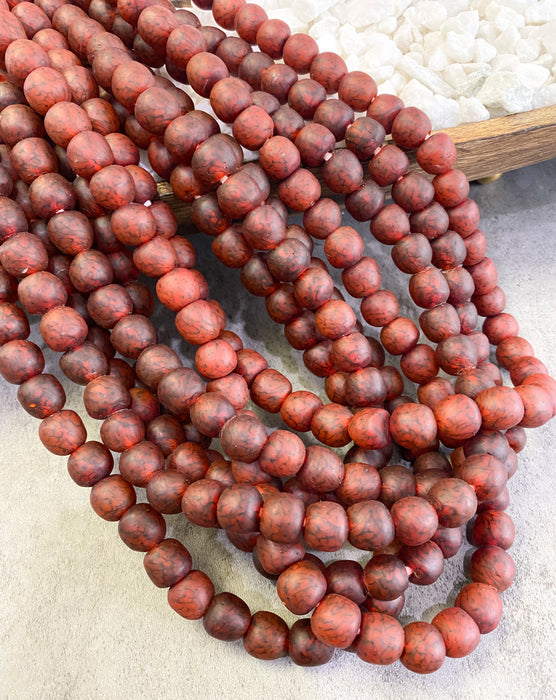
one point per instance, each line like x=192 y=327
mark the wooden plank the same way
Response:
x=484 y=149
x=506 y=143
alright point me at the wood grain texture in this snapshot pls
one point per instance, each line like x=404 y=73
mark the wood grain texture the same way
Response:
x=484 y=149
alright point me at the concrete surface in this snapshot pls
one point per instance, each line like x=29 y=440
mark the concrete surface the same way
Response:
x=80 y=619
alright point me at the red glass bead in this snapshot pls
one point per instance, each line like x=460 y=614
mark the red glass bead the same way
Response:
x=121 y=430
x=111 y=497
x=200 y=501
x=437 y=154
x=267 y=636
x=385 y=577
x=493 y=566
x=90 y=463
x=424 y=650
x=370 y=524
x=322 y=219
x=154 y=363
x=298 y=409
x=63 y=328
x=326 y=526
x=493 y=527
x=253 y=127
x=458 y=418
x=23 y=254
x=62 y=432
x=482 y=603
x=454 y=501
x=275 y=558
x=71 y=233
x=538 y=403
x=328 y=69
x=330 y=425
x=44 y=87
x=84 y=363
x=141 y=527
x=165 y=491
x=305 y=648
x=380 y=640
x=191 y=597
x=167 y=563
x=112 y=187
x=451 y=188
x=248 y=19
x=336 y=621
x=41 y=395
x=358 y=90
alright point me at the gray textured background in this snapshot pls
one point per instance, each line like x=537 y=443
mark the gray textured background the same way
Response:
x=80 y=619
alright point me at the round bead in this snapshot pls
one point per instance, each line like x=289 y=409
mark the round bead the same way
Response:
x=424 y=650
x=167 y=563
x=200 y=501
x=385 y=577
x=486 y=474
x=121 y=430
x=344 y=247
x=493 y=527
x=266 y=637
x=301 y=587
x=458 y=418
x=305 y=648
x=253 y=127
x=275 y=558
x=322 y=219
x=322 y=470
x=141 y=527
x=23 y=254
x=451 y=188
x=369 y=428
x=238 y=508
x=62 y=432
x=413 y=426
x=413 y=192
x=13 y=321
x=336 y=621
x=191 y=597
x=538 y=403
x=328 y=69
x=112 y=187
x=282 y=455
x=437 y=154
x=330 y=425
x=298 y=409
x=90 y=463
x=501 y=407
x=380 y=640
x=493 y=566
x=345 y=577
x=215 y=359
x=388 y=165
x=454 y=500
x=44 y=87
x=415 y=520
x=370 y=525
x=482 y=603
x=198 y=323
x=300 y=190
x=41 y=395
x=111 y=497
x=326 y=526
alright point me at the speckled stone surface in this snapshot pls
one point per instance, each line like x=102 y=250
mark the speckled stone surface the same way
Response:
x=79 y=617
